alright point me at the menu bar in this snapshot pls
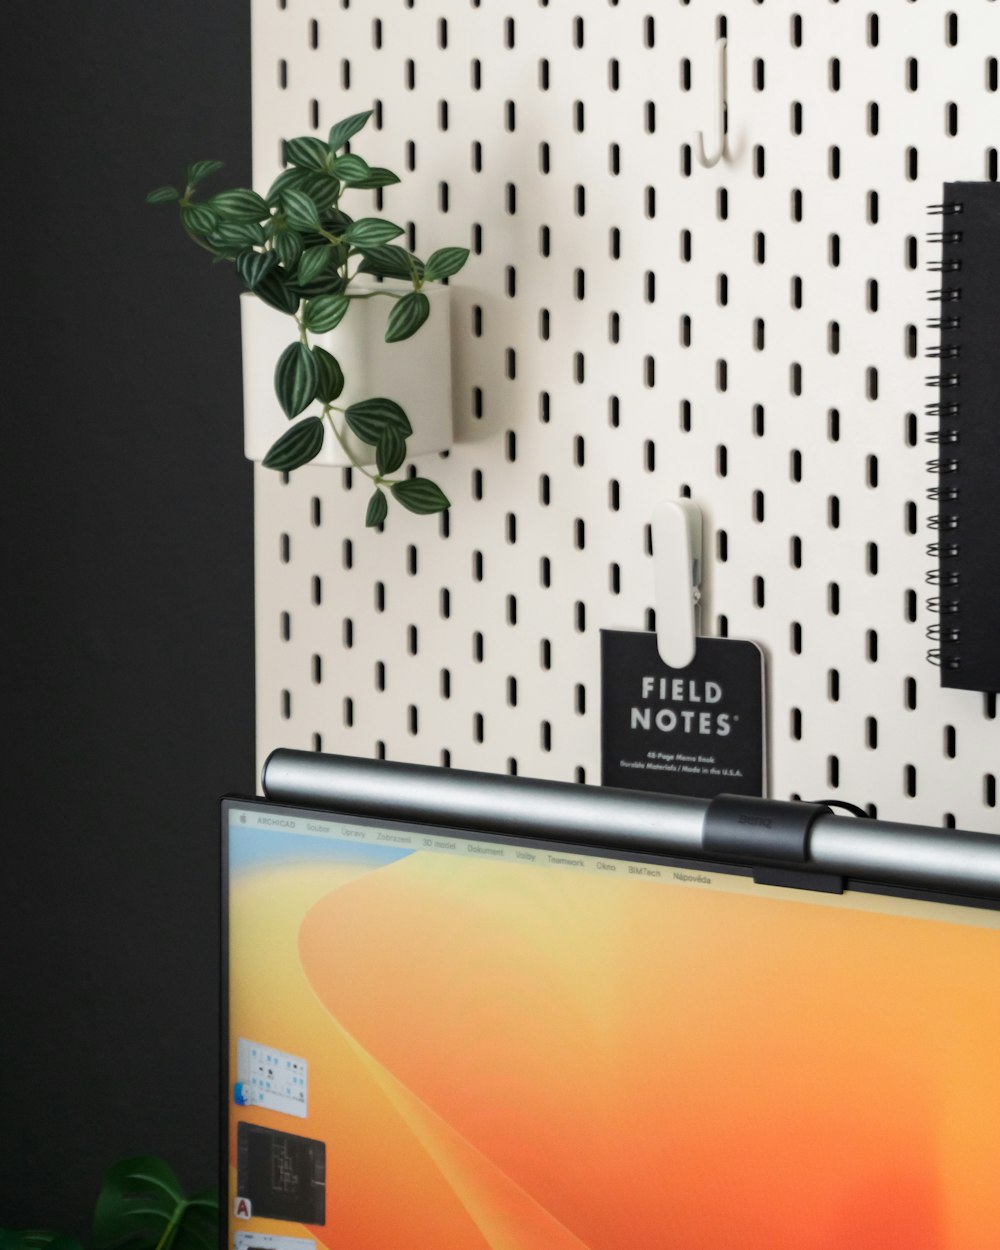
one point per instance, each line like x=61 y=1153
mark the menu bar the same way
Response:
x=467 y=848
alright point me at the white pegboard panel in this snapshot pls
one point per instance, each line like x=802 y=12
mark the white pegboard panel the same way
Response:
x=632 y=326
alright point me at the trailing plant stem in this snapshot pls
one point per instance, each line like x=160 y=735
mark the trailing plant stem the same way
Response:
x=377 y=478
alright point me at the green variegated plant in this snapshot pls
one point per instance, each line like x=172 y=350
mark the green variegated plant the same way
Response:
x=299 y=251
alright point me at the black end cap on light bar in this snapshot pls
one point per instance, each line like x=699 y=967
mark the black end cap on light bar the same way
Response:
x=771 y=835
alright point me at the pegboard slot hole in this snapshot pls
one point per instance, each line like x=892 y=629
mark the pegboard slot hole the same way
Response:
x=910 y=781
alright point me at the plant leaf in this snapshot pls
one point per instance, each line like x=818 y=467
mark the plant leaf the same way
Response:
x=295 y=379
x=343 y=130
x=390 y=451
x=387 y=260
x=330 y=283
x=322 y=189
x=308 y=152
x=376 y=177
x=141 y=1205
x=239 y=204
x=351 y=169
x=300 y=210
x=237 y=234
x=378 y=508
x=200 y=170
x=408 y=315
x=199 y=218
x=331 y=376
x=253 y=267
x=370 y=231
x=199 y=1226
x=137 y=1201
x=163 y=195
x=37 y=1239
x=420 y=495
x=274 y=289
x=445 y=261
x=336 y=220
x=288 y=245
x=325 y=312
x=313 y=262
x=296 y=446
x=369 y=418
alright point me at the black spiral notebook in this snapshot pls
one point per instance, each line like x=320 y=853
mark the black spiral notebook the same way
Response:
x=965 y=494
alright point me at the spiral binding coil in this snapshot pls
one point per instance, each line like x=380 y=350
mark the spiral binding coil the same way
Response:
x=943 y=410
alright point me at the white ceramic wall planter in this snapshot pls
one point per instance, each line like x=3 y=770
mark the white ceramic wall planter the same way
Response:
x=416 y=373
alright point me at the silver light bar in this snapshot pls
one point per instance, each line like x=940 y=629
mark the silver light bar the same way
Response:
x=752 y=831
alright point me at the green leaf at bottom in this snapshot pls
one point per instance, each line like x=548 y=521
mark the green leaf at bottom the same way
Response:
x=420 y=495
x=37 y=1239
x=141 y=1205
x=137 y=1201
x=296 y=446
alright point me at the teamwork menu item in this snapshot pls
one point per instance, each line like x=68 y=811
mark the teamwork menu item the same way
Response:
x=553 y=1048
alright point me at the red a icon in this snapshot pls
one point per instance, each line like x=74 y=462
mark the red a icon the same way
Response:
x=243 y=1208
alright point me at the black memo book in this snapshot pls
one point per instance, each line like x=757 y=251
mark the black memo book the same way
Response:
x=965 y=497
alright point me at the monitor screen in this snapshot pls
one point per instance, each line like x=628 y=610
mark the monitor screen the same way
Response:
x=445 y=1039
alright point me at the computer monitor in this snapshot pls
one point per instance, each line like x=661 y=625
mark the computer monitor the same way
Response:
x=441 y=1036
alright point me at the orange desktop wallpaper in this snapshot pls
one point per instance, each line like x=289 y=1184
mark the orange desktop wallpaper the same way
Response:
x=521 y=1057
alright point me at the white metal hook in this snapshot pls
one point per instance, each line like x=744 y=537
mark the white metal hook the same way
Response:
x=676 y=533
x=720 y=111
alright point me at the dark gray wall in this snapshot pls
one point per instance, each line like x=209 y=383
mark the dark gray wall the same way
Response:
x=127 y=583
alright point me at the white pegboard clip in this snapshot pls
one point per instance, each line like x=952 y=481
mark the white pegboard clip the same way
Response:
x=676 y=532
x=721 y=103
